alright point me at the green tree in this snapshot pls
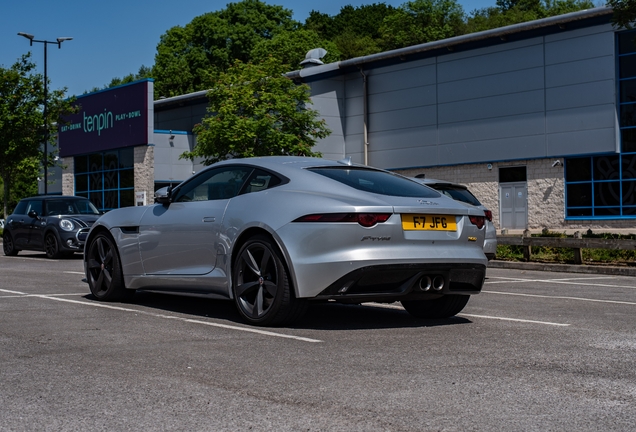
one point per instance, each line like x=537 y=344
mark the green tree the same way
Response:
x=421 y=21
x=144 y=72
x=254 y=110
x=189 y=57
x=624 y=12
x=22 y=124
x=355 y=30
x=514 y=12
x=290 y=48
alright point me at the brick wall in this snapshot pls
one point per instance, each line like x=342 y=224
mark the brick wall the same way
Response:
x=145 y=171
x=68 y=176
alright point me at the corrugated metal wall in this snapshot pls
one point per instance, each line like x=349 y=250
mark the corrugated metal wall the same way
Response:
x=542 y=97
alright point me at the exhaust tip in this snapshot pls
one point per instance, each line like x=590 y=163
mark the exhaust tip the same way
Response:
x=426 y=283
x=438 y=283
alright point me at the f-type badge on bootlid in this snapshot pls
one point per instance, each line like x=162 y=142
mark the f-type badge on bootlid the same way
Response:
x=425 y=202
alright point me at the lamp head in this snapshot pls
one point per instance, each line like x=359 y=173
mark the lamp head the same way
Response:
x=62 y=39
x=26 y=35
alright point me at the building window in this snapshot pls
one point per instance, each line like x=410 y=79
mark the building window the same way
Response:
x=106 y=179
x=513 y=174
x=604 y=186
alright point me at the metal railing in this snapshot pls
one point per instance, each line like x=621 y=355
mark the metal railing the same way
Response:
x=577 y=243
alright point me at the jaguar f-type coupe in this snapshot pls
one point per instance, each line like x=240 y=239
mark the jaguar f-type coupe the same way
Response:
x=274 y=233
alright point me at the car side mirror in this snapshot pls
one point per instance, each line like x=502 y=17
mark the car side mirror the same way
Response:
x=33 y=214
x=162 y=196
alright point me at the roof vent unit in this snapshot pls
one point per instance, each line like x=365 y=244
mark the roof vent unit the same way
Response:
x=312 y=58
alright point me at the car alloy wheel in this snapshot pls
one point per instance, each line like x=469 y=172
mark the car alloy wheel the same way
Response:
x=8 y=246
x=104 y=273
x=51 y=246
x=261 y=285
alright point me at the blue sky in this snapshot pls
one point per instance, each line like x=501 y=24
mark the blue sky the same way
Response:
x=114 y=38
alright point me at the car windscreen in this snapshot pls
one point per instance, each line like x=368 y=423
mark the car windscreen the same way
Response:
x=378 y=182
x=70 y=207
x=457 y=193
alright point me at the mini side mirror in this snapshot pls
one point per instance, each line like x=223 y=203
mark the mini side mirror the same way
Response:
x=33 y=214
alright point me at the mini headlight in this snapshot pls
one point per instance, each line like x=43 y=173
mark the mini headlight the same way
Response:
x=67 y=225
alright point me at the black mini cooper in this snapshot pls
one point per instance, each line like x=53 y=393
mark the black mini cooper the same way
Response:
x=57 y=225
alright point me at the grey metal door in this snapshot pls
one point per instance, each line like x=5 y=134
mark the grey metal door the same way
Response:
x=513 y=205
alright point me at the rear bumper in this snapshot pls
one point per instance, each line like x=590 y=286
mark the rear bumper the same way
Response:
x=406 y=282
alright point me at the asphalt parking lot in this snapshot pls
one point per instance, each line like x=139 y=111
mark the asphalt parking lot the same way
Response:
x=534 y=351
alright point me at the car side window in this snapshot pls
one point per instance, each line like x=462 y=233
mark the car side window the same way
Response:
x=215 y=184
x=34 y=205
x=260 y=180
x=21 y=208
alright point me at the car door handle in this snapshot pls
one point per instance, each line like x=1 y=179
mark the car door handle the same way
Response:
x=209 y=219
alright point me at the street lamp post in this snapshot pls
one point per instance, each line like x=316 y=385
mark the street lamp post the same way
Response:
x=58 y=42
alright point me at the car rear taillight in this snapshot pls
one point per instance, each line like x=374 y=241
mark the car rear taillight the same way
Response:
x=365 y=219
x=488 y=214
x=479 y=221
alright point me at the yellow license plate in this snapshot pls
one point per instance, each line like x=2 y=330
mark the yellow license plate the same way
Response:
x=420 y=222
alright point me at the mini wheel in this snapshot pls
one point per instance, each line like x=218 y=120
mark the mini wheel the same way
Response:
x=51 y=246
x=8 y=246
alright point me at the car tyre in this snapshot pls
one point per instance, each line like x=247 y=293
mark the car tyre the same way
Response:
x=51 y=246
x=261 y=285
x=8 y=246
x=104 y=274
x=443 y=307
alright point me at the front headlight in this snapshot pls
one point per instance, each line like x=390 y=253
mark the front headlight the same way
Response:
x=67 y=225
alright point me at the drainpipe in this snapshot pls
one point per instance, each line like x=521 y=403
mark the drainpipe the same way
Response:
x=365 y=116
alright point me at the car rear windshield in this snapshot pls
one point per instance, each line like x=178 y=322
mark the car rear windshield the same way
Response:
x=379 y=182
x=457 y=193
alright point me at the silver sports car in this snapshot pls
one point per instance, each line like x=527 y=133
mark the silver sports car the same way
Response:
x=274 y=233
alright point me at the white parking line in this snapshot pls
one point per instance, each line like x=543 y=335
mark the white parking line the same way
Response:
x=388 y=306
x=563 y=298
x=514 y=319
x=34 y=257
x=72 y=272
x=568 y=281
x=40 y=295
x=12 y=292
x=211 y=324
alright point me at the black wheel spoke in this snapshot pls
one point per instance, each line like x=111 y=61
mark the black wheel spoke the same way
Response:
x=246 y=288
x=108 y=258
x=258 y=303
x=271 y=288
x=267 y=255
x=107 y=276
x=100 y=281
x=100 y=250
x=250 y=262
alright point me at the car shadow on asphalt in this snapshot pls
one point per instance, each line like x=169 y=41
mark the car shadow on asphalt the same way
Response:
x=319 y=316
x=42 y=256
x=367 y=316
